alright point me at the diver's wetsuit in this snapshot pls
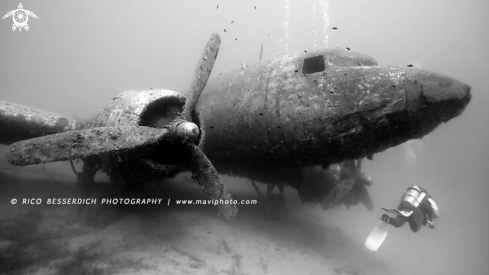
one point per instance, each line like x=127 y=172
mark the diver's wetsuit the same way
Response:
x=419 y=217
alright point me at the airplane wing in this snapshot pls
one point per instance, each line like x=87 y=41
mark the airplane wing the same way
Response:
x=8 y=14
x=19 y=122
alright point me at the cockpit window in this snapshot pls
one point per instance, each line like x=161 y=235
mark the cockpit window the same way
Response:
x=313 y=65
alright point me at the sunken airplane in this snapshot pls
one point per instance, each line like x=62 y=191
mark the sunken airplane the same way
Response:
x=284 y=120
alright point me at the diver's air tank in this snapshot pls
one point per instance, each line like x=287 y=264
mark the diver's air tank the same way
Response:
x=412 y=197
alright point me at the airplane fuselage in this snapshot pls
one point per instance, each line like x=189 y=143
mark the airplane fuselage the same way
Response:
x=319 y=108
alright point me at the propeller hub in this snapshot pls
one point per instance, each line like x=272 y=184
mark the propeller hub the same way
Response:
x=188 y=130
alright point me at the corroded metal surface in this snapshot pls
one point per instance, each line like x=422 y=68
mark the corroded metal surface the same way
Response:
x=298 y=121
x=18 y=122
x=82 y=144
x=201 y=74
x=339 y=57
x=211 y=183
x=272 y=115
x=130 y=108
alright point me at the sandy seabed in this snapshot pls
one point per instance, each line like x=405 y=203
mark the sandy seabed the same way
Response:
x=266 y=238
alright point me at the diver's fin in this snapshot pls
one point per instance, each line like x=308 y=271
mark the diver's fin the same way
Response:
x=377 y=236
x=404 y=213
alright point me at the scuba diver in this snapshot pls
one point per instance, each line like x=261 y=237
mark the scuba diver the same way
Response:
x=416 y=207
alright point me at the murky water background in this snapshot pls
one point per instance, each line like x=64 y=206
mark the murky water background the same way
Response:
x=78 y=55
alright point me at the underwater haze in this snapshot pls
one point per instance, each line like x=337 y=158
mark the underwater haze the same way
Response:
x=78 y=55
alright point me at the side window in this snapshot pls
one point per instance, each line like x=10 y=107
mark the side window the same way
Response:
x=313 y=64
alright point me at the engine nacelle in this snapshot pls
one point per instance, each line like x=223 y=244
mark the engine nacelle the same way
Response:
x=153 y=108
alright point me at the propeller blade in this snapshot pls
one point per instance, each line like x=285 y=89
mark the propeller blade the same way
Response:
x=201 y=74
x=82 y=144
x=209 y=180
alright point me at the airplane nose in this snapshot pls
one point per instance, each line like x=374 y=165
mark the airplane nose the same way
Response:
x=434 y=98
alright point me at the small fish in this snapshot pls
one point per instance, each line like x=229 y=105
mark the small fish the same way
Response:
x=305 y=51
x=347 y=48
x=224 y=30
x=255 y=7
x=335 y=28
x=410 y=65
x=217 y=7
x=243 y=66
x=232 y=22
x=268 y=34
x=236 y=39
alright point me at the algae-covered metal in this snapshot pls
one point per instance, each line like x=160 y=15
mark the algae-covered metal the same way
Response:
x=319 y=108
x=154 y=107
x=82 y=144
x=19 y=122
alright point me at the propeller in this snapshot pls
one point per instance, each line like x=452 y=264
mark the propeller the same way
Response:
x=82 y=144
x=96 y=141
x=201 y=167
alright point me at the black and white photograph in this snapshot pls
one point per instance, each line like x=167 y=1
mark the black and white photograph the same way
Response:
x=238 y=137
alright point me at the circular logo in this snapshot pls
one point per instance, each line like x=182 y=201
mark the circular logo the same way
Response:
x=20 y=17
